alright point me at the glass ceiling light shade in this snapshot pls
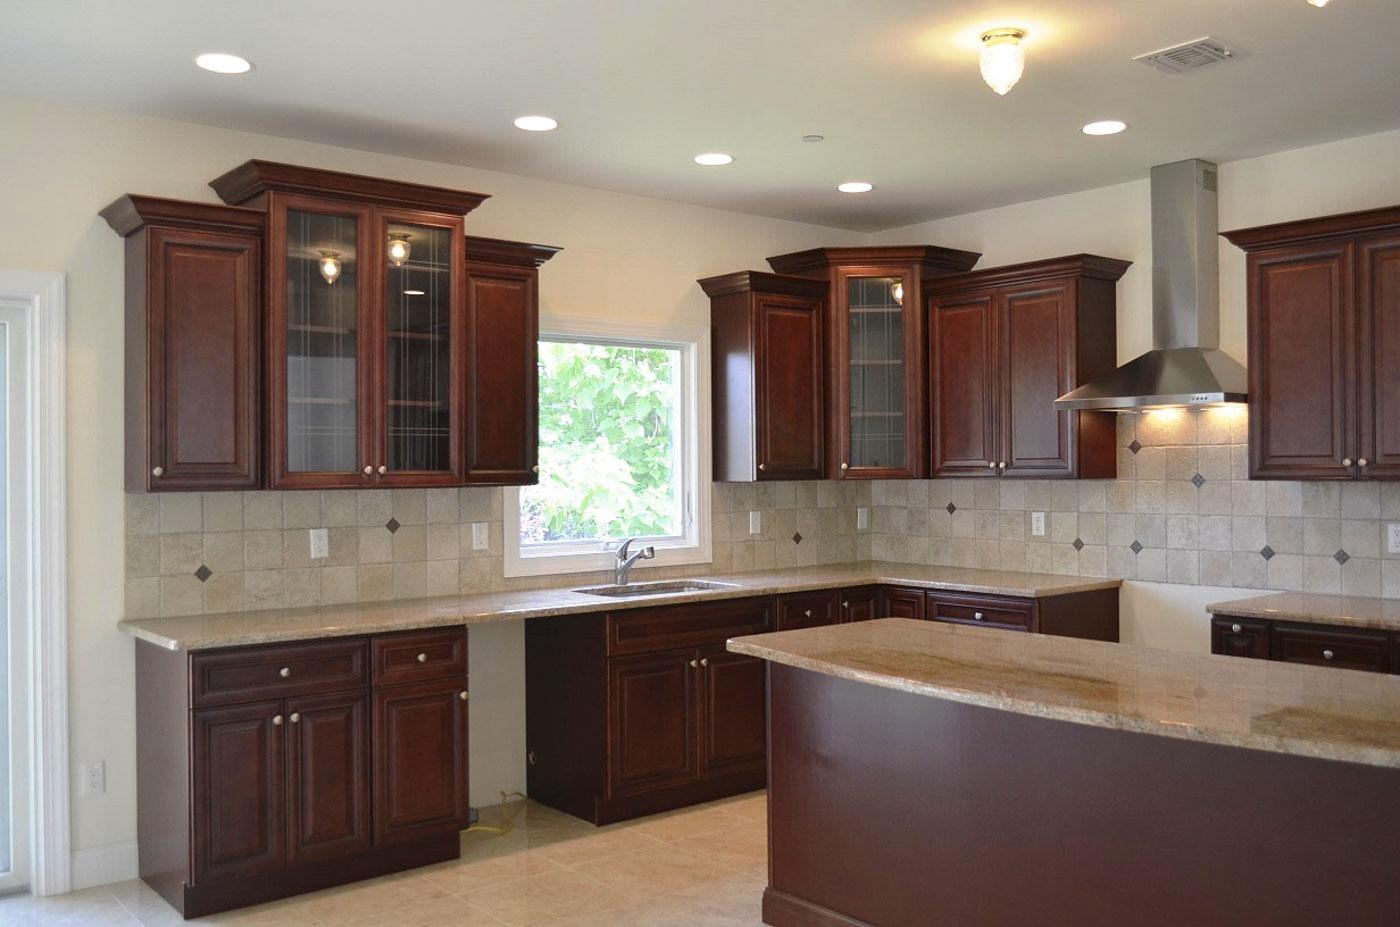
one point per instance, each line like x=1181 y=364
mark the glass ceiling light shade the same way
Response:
x=1003 y=58
x=329 y=265
x=399 y=250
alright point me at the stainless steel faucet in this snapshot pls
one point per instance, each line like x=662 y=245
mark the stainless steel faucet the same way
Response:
x=623 y=565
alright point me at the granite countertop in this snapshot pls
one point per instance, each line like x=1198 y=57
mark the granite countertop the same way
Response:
x=202 y=632
x=1346 y=610
x=1258 y=704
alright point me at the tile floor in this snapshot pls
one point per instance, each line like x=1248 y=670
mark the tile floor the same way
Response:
x=698 y=867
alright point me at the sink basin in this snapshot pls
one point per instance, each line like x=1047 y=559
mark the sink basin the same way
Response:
x=661 y=587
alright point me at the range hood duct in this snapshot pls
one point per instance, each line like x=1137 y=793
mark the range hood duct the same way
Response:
x=1186 y=366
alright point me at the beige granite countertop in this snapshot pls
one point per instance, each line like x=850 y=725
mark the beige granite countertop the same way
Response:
x=1259 y=704
x=1347 y=610
x=202 y=632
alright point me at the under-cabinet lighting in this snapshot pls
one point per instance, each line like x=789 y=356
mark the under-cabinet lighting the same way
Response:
x=223 y=63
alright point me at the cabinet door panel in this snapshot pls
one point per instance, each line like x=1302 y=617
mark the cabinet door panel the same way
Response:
x=420 y=759
x=963 y=360
x=1301 y=332
x=327 y=776
x=203 y=316
x=734 y=732
x=789 y=387
x=653 y=721
x=239 y=792
x=901 y=603
x=1036 y=333
x=502 y=374
x=1378 y=304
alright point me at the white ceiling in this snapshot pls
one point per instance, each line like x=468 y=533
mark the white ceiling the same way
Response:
x=641 y=86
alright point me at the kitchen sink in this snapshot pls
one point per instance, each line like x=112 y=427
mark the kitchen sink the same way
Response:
x=661 y=587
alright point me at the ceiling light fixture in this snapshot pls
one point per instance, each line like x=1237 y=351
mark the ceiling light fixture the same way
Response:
x=536 y=123
x=399 y=249
x=1105 y=127
x=714 y=159
x=223 y=63
x=329 y=265
x=856 y=186
x=1003 y=58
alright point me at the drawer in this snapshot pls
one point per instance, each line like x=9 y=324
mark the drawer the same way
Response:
x=1363 y=650
x=1239 y=637
x=250 y=674
x=899 y=602
x=418 y=656
x=808 y=610
x=986 y=611
x=668 y=627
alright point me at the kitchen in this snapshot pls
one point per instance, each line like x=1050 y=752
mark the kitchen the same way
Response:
x=1162 y=509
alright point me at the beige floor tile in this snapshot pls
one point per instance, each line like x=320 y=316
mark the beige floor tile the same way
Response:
x=463 y=876
x=751 y=807
x=743 y=847
x=546 y=898
x=736 y=902
x=531 y=816
x=584 y=846
x=336 y=906
x=655 y=871
x=440 y=912
x=687 y=822
x=153 y=911
x=93 y=907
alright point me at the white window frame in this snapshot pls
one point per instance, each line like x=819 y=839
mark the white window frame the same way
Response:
x=695 y=544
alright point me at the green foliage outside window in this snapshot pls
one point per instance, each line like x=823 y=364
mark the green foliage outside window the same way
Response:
x=607 y=448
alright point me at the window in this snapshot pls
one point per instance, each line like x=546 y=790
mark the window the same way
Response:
x=622 y=453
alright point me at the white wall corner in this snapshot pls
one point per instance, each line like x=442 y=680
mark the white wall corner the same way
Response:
x=103 y=865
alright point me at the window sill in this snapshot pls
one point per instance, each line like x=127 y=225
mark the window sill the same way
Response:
x=601 y=562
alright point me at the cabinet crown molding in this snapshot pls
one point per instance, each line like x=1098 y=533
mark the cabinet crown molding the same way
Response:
x=1316 y=229
x=757 y=281
x=1073 y=265
x=132 y=212
x=254 y=178
x=932 y=259
x=500 y=251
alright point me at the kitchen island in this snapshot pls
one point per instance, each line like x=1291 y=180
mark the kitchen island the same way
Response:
x=924 y=773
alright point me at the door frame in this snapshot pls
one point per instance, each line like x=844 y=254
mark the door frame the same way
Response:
x=39 y=298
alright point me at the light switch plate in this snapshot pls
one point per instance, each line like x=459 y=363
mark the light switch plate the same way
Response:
x=320 y=544
x=1038 y=524
x=480 y=539
x=755 y=523
x=1392 y=537
x=862 y=518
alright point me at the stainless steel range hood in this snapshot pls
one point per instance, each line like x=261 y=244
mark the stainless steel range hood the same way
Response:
x=1186 y=366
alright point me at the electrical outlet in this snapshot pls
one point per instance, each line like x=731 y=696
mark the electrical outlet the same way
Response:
x=94 y=778
x=1392 y=538
x=755 y=523
x=320 y=544
x=862 y=518
x=480 y=539
x=1038 y=524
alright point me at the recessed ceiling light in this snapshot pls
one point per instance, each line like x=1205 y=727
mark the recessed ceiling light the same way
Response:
x=714 y=159
x=813 y=138
x=536 y=123
x=1105 y=127
x=856 y=186
x=223 y=63
x=1319 y=3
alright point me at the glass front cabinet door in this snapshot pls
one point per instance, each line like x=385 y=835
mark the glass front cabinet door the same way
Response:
x=877 y=368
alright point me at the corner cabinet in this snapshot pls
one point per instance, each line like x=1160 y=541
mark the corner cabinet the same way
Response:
x=1004 y=344
x=1324 y=346
x=769 y=350
x=877 y=370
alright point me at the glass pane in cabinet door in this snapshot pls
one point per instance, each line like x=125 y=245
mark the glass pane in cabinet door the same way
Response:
x=418 y=312
x=322 y=343
x=877 y=371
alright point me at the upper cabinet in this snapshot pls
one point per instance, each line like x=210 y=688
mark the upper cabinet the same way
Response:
x=194 y=302
x=1324 y=346
x=877 y=371
x=769 y=353
x=1004 y=343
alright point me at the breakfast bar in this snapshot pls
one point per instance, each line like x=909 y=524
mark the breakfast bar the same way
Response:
x=926 y=773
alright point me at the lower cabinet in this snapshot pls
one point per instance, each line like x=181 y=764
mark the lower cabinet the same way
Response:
x=1091 y=615
x=267 y=771
x=653 y=721
x=1296 y=642
x=898 y=602
x=1240 y=637
x=860 y=604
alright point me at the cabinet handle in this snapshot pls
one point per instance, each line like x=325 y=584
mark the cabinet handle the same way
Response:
x=296 y=716
x=530 y=758
x=763 y=466
x=284 y=672
x=845 y=466
x=1346 y=461
x=1362 y=462
x=369 y=471
x=383 y=469
x=277 y=720
x=807 y=612
x=422 y=658
x=991 y=464
x=1235 y=629
x=462 y=695
x=1327 y=654
x=704 y=661
x=157 y=471
x=694 y=664
x=845 y=604
x=978 y=616
x=535 y=468
x=1001 y=465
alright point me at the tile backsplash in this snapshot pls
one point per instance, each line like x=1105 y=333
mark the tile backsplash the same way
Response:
x=1181 y=510
x=205 y=553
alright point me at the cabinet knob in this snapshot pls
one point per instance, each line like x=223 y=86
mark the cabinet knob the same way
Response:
x=1346 y=461
x=807 y=612
x=535 y=468
x=369 y=471
x=462 y=695
x=1235 y=629
x=284 y=672
x=277 y=720
x=763 y=466
x=383 y=469
x=1327 y=654
x=422 y=658
x=845 y=604
x=1362 y=462
x=704 y=661
x=296 y=716
x=157 y=471
x=978 y=616
x=694 y=664
x=991 y=464
x=845 y=466
x=1001 y=465
x=530 y=758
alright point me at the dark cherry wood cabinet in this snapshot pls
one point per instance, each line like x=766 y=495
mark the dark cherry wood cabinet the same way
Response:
x=653 y=721
x=769 y=385
x=734 y=732
x=860 y=604
x=1091 y=614
x=1324 y=346
x=808 y=609
x=1366 y=649
x=502 y=369
x=194 y=304
x=876 y=366
x=1240 y=637
x=1004 y=344
x=266 y=771
x=899 y=602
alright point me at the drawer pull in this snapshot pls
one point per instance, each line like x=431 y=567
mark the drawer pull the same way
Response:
x=1235 y=629
x=845 y=604
x=704 y=661
x=808 y=613
x=284 y=672
x=694 y=664
x=296 y=716
x=277 y=720
x=157 y=471
x=462 y=695
x=422 y=658
x=1327 y=654
x=978 y=616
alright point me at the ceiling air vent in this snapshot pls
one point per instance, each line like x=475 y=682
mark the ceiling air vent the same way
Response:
x=1190 y=56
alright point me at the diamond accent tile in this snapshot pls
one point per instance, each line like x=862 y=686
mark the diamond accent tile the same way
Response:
x=1341 y=556
x=951 y=508
x=1078 y=544
x=203 y=573
x=393 y=525
x=797 y=537
x=1136 y=547
x=1135 y=446
x=1266 y=552
x=1198 y=480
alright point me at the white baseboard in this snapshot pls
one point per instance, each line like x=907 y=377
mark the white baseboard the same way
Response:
x=102 y=865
